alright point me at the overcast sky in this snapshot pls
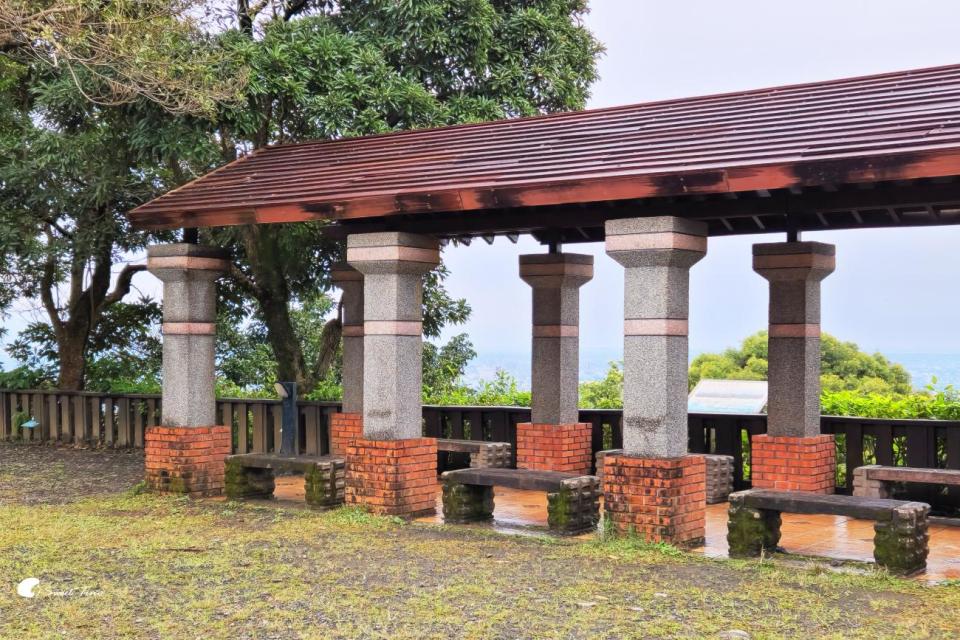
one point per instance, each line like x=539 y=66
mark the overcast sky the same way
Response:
x=893 y=290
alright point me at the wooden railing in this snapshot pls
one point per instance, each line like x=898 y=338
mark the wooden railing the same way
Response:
x=119 y=420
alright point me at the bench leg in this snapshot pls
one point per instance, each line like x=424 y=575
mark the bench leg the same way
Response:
x=750 y=531
x=324 y=483
x=466 y=502
x=575 y=508
x=247 y=482
x=491 y=456
x=864 y=487
x=901 y=544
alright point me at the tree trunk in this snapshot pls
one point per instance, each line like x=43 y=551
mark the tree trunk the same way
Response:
x=269 y=288
x=71 y=346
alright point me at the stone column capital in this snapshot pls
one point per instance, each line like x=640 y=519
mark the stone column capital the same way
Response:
x=661 y=241
x=794 y=261
x=342 y=273
x=556 y=270
x=180 y=261
x=392 y=253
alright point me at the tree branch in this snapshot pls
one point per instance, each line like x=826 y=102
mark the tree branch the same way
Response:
x=243 y=280
x=292 y=8
x=122 y=287
x=46 y=294
x=329 y=339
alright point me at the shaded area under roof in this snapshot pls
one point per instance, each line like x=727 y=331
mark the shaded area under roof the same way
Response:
x=873 y=151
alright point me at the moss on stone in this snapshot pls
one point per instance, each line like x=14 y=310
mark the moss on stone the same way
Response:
x=900 y=548
x=247 y=482
x=750 y=531
x=322 y=486
x=466 y=502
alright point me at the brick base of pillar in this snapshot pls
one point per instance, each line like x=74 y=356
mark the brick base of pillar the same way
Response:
x=793 y=464
x=658 y=499
x=554 y=447
x=393 y=477
x=187 y=460
x=344 y=429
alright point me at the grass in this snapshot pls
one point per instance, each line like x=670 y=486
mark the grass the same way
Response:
x=133 y=565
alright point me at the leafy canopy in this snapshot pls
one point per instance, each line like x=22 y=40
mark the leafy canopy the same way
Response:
x=843 y=366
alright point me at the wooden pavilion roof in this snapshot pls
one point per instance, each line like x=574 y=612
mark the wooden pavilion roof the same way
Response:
x=880 y=150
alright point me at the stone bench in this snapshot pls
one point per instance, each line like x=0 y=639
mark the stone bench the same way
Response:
x=251 y=475
x=873 y=481
x=483 y=455
x=573 y=501
x=719 y=474
x=900 y=542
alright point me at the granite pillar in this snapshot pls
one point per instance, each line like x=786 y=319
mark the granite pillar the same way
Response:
x=392 y=469
x=794 y=270
x=554 y=439
x=186 y=452
x=654 y=488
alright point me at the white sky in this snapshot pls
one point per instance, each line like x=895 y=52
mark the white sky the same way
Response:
x=894 y=290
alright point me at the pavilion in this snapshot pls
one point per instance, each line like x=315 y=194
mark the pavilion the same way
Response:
x=653 y=181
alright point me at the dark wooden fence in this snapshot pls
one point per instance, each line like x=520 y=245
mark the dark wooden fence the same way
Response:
x=119 y=420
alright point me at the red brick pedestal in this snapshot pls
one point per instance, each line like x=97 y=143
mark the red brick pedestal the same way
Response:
x=187 y=460
x=658 y=499
x=393 y=477
x=793 y=464
x=554 y=447
x=344 y=429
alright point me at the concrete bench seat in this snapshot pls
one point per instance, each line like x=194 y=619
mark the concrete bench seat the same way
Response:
x=483 y=455
x=573 y=501
x=900 y=542
x=251 y=475
x=873 y=481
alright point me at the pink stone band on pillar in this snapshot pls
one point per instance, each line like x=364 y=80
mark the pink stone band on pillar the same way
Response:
x=352 y=331
x=398 y=253
x=186 y=262
x=189 y=328
x=795 y=330
x=556 y=269
x=392 y=328
x=660 y=240
x=655 y=327
x=555 y=331
x=795 y=261
x=345 y=275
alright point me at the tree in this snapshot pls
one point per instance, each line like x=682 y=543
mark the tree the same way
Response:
x=120 y=51
x=70 y=169
x=356 y=67
x=843 y=366
x=106 y=105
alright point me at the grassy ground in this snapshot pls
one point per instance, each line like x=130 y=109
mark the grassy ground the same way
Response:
x=114 y=564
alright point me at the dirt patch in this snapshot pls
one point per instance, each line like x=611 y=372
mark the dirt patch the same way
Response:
x=42 y=474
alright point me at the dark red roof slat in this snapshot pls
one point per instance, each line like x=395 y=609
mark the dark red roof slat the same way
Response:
x=898 y=125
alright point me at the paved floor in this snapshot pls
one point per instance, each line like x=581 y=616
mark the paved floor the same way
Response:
x=827 y=536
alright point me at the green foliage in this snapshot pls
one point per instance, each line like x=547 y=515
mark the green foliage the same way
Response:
x=606 y=393
x=843 y=366
x=443 y=366
x=125 y=118
x=502 y=391
x=933 y=403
